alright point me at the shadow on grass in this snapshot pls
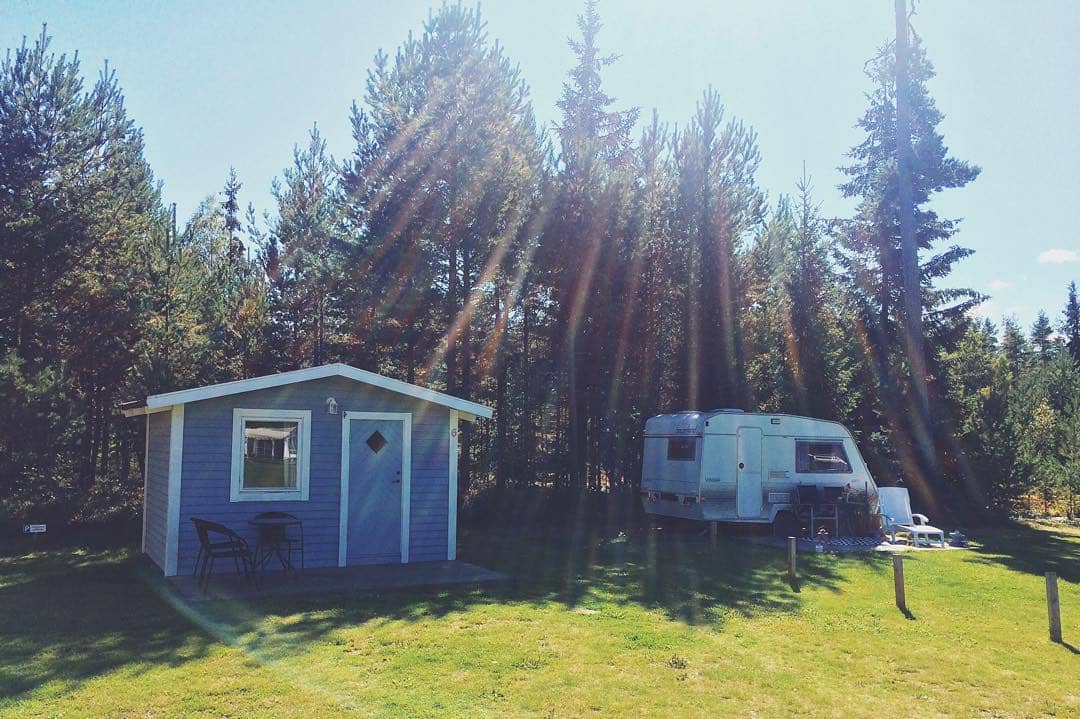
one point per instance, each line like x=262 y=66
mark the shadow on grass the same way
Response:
x=678 y=575
x=1070 y=647
x=69 y=616
x=1033 y=550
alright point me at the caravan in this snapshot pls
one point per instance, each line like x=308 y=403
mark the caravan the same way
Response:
x=734 y=466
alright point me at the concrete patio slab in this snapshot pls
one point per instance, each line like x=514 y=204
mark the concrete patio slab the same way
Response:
x=226 y=585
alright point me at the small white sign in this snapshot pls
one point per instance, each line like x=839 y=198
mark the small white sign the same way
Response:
x=33 y=529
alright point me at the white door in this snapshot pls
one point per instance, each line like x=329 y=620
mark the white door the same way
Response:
x=748 y=489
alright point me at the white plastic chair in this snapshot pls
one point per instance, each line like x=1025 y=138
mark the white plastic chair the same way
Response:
x=896 y=512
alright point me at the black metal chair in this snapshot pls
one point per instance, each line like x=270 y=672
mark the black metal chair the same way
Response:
x=224 y=544
x=280 y=536
x=816 y=505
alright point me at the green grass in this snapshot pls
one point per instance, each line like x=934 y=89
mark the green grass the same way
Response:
x=591 y=626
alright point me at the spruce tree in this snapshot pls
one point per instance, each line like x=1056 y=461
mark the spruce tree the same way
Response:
x=1042 y=336
x=871 y=259
x=1070 y=324
x=1014 y=346
x=231 y=208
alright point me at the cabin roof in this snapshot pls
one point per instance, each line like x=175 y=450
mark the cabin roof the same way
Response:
x=160 y=402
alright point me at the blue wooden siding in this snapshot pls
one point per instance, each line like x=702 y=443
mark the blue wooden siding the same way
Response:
x=207 y=458
x=157 y=485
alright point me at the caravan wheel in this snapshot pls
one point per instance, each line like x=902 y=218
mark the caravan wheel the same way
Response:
x=785 y=525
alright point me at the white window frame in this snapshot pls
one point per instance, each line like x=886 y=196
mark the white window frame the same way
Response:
x=824 y=440
x=303 y=455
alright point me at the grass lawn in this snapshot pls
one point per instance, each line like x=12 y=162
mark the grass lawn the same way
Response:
x=656 y=625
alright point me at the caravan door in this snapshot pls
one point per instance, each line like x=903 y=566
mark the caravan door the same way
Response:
x=748 y=490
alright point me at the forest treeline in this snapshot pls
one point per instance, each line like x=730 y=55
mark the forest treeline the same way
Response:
x=579 y=278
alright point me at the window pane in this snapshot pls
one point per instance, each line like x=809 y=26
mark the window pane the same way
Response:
x=376 y=441
x=270 y=450
x=821 y=458
x=682 y=449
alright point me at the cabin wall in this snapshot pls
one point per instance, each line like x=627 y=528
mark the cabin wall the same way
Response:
x=157 y=485
x=205 y=486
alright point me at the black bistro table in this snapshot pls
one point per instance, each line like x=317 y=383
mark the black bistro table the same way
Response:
x=274 y=540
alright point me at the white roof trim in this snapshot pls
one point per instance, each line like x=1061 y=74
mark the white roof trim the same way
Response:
x=140 y=411
x=158 y=401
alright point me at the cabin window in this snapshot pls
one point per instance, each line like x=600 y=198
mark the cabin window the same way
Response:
x=821 y=457
x=682 y=449
x=270 y=455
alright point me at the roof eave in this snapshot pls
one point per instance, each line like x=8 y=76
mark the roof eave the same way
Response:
x=140 y=410
x=470 y=410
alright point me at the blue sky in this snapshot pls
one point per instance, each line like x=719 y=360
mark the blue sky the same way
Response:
x=216 y=84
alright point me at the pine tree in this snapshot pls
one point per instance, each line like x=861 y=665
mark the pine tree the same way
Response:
x=225 y=290
x=979 y=391
x=77 y=205
x=302 y=257
x=595 y=153
x=772 y=362
x=816 y=359
x=435 y=195
x=720 y=204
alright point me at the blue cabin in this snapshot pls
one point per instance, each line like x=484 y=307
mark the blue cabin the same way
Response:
x=366 y=462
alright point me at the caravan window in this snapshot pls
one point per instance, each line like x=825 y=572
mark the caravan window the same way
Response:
x=821 y=457
x=682 y=449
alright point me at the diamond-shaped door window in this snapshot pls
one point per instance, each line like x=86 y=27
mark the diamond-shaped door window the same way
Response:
x=376 y=441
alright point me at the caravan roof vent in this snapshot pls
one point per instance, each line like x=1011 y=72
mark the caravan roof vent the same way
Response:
x=729 y=410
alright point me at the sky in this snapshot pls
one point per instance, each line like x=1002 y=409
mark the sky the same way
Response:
x=220 y=84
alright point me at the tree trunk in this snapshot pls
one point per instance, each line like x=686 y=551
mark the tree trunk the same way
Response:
x=909 y=250
x=501 y=409
x=319 y=332
x=451 y=313
x=466 y=369
x=526 y=394
x=410 y=359
x=576 y=431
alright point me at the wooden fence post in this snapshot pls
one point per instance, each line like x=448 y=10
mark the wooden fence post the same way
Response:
x=1053 y=607
x=898 y=581
x=791 y=561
